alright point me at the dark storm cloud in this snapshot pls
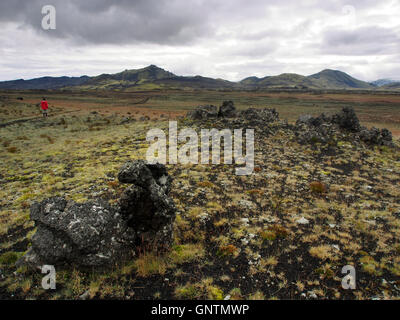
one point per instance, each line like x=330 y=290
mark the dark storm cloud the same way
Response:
x=117 y=21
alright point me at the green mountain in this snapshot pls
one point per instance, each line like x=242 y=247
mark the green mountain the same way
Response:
x=335 y=79
x=150 y=73
x=43 y=83
x=153 y=77
x=285 y=80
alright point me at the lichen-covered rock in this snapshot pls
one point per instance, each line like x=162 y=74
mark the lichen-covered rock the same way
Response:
x=203 y=112
x=96 y=234
x=227 y=110
x=376 y=136
x=261 y=115
x=347 y=119
x=324 y=128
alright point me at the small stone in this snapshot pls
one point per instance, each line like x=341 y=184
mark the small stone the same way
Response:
x=303 y=220
x=85 y=296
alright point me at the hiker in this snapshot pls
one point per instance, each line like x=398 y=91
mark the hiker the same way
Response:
x=44 y=105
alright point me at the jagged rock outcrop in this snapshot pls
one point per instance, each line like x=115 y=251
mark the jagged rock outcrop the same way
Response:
x=145 y=205
x=263 y=115
x=375 y=136
x=346 y=119
x=96 y=234
x=324 y=128
x=227 y=110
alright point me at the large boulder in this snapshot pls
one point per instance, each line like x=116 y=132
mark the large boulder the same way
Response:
x=145 y=205
x=96 y=234
x=203 y=112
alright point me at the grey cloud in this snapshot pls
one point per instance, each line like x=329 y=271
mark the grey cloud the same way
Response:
x=361 y=41
x=116 y=22
x=230 y=39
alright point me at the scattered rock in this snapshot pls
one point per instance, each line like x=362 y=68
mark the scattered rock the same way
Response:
x=144 y=118
x=125 y=120
x=203 y=112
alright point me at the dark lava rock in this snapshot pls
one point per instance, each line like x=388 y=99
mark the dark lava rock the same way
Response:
x=203 y=112
x=323 y=129
x=347 y=119
x=96 y=234
x=227 y=110
x=263 y=115
x=145 y=205
x=376 y=136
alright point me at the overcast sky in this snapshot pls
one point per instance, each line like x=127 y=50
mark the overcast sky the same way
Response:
x=230 y=39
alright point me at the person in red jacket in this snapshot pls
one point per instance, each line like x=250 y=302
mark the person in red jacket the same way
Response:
x=45 y=106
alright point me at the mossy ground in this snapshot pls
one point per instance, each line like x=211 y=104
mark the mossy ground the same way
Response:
x=234 y=235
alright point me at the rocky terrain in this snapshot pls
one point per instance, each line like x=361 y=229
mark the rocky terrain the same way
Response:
x=324 y=194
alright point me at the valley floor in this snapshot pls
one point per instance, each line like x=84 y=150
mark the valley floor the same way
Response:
x=270 y=235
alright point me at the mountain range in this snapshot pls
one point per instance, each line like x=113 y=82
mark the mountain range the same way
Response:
x=153 y=77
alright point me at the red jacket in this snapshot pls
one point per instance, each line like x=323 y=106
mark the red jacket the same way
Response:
x=44 y=105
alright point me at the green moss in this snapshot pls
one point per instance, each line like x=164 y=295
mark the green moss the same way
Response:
x=189 y=292
x=216 y=293
x=9 y=258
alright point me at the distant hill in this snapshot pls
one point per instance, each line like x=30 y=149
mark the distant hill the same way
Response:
x=44 y=83
x=153 y=77
x=383 y=82
x=338 y=80
x=285 y=80
x=149 y=73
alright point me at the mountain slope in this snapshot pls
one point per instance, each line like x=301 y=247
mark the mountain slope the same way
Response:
x=153 y=77
x=44 y=83
x=335 y=79
x=383 y=82
x=285 y=80
x=149 y=73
